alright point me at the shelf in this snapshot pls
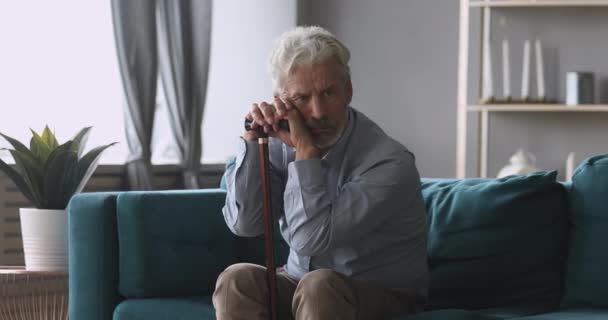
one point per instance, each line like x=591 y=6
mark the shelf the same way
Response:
x=537 y=108
x=538 y=3
x=484 y=108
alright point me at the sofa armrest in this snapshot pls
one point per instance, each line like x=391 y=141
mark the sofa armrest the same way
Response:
x=172 y=242
x=93 y=256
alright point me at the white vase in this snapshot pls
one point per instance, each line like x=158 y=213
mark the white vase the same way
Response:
x=45 y=239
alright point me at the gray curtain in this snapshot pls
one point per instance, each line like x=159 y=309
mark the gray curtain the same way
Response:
x=135 y=33
x=184 y=35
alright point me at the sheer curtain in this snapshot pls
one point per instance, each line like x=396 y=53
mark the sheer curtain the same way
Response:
x=184 y=39
x=136 y=45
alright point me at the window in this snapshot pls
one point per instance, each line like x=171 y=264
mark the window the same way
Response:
x=58 y=67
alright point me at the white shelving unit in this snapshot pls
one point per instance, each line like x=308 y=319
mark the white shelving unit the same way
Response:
x=537 y=108
x=484 y=109
x=537 y=3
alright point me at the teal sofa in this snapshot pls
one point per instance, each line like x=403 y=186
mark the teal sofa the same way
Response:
x=522 y=247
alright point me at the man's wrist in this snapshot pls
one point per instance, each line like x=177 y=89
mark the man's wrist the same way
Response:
x=307 y=151
x=250 y=135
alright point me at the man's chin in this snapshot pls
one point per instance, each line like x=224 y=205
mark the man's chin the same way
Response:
x=325 y=142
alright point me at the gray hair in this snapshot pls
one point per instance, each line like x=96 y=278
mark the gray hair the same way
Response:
x=305 y=46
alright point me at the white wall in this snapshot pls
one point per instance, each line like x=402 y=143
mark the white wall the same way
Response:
x=404 y=64
x=242 y=35
x=404 y=58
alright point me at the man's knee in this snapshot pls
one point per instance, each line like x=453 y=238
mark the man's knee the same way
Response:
x=321 y=281
x=241 y=276
x=322 y=293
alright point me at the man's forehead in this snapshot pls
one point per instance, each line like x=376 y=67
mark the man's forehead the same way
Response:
x=320 y=76
x=305 y=85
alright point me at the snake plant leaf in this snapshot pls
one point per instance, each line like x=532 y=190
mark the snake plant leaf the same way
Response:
x=16 y=144
x=31 y=171
x=49 y=138
x=18 y=180
x=62 y=148
x=57 y=174
x=39 y=147
x=87 y=165
x=80 y=140
x=48 y=174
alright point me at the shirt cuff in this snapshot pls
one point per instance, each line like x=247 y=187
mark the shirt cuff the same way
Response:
x=305 y=174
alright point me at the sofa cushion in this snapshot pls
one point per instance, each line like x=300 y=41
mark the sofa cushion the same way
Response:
x=515 y=311
x=573 y=314
x=587 y=265
x=172 y=242
x=496 y=242
x=186 y=308
x=509 y=312
x=449 y=314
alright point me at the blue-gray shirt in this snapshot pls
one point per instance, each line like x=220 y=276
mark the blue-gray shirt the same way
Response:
x=358 y=210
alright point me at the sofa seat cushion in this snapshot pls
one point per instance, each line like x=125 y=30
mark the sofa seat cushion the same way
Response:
x=183 y=308
x=449 y=314
x=496 y=242
x=172 y=243
x=516 y=311
x=587 y=266
x=482 y=314
x=572 y=314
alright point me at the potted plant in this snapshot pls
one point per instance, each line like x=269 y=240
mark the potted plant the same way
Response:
x=49 y=174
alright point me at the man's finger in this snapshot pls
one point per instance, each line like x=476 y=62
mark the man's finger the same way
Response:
x=257 y=115
x=280 y=106
x=268 y=112
x=250 y=119
x=288 y=105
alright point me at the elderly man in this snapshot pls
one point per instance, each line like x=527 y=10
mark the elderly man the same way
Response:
x=347 y=198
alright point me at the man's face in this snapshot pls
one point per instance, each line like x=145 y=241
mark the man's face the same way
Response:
x=322 y=94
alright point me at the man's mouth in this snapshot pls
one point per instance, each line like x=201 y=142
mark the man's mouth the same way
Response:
x=320 y=130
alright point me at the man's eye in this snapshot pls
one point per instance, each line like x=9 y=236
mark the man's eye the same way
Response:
x=300 y=98
x=328 y=93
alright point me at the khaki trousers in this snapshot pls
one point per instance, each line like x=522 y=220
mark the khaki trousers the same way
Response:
x=241 y=293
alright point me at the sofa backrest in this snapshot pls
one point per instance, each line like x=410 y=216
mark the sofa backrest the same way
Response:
x=496 y=242
x=172 y=243
x=587 y=265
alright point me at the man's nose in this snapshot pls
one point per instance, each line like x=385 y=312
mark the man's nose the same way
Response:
x=317 y=108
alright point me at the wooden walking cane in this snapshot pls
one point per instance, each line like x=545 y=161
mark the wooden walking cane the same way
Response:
x=271 y=275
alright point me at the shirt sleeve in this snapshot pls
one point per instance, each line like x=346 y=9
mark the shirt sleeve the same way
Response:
x=243 y=210
x=318 y=223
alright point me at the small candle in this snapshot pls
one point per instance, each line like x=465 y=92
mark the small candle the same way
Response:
x=487 y=72
x=525 y=74
x=506 y=76
x=540 y=77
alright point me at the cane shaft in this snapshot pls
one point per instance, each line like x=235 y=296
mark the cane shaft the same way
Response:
x=268 y=228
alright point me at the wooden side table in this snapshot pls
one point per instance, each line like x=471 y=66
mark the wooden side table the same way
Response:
x=26 y=295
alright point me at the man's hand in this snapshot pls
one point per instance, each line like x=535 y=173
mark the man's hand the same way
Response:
x=299 y=133
x=268 y=115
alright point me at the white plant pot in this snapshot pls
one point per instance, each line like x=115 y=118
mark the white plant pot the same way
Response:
x=45 y=239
